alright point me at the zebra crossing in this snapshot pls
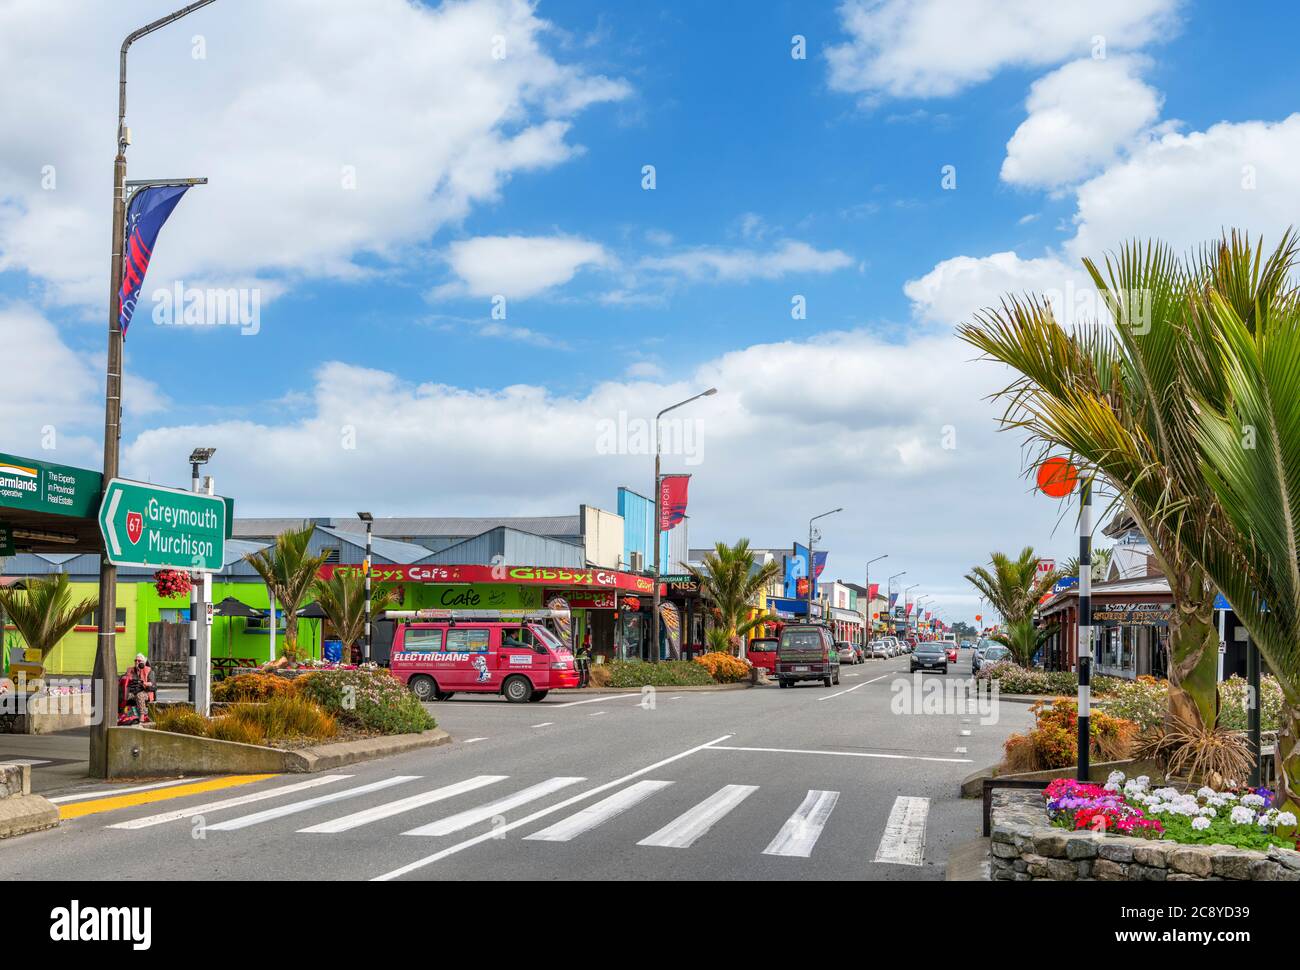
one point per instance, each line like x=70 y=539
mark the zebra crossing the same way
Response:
x=902 y=841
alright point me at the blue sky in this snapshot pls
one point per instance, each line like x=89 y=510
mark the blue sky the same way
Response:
x=775 y=177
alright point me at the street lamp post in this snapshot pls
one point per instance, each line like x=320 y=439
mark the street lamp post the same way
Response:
x=889 y=591
x=907 y=616
x=653 y=648
x=870 y=626
x=812 y=559
x=105 y=670
x=198 y=458
x=369 y=520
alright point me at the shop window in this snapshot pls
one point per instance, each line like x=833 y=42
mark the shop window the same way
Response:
x=91 y=619
x=173 y=616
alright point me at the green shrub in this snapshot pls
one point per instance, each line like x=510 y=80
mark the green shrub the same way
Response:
x=286 y=717
x=723 y=667
x=668 y=673
x=231 y=729
x=371 y=699
x=1233 y=695
x=252 y=687
x=179 y=720
x=1014 y=679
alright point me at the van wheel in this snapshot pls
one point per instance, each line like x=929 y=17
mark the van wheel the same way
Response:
x=826 y=681
x=783 y=682
x=537 y=696
x=517 y=689
x=424 y=688
x=836 y=680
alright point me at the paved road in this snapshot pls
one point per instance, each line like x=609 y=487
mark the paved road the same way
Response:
x=768 y=784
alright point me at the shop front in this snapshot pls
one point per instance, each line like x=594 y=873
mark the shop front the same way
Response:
x=1130 y=620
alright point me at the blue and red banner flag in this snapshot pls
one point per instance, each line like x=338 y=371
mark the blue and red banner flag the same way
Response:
x=672 y=500
x=145 y=218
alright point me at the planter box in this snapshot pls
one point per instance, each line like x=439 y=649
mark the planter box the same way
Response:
x=1026 y=847
x=50 y=713
x=135 y=752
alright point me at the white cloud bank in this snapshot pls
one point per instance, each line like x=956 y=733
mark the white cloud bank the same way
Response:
x=375 y=125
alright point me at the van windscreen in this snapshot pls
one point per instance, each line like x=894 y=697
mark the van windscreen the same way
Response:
x=801 y=640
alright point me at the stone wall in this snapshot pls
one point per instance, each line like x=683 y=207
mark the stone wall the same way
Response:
x=1025 y=846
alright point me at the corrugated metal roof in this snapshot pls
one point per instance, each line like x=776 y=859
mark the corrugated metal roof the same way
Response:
x=410 y=529
x=388 y=550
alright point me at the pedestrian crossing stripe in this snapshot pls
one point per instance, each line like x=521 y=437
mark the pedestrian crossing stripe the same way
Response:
x=902 y=843
x=94 y=806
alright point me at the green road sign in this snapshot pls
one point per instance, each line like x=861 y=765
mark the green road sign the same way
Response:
x=144 y=525
x=39 y=486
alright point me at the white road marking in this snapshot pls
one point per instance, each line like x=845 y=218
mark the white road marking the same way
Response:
x=108 y=792
x=903 y=843
x=685 y=829
x=599 y=813
x=542 y=813
x=544 y=724
x=473 y=816
x=257 y=796
x=390 y=809
x=31 y=762
x=472 y=740
x=597 y=713
x=853 y=688
x=802 y=829
x=959 y=750
x=964 y=734
x=841 y=754
x=597 y=700
x=244 y=821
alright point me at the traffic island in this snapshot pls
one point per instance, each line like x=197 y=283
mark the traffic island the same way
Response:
x=21 y=811
x=135 y=752
x=1027 y=847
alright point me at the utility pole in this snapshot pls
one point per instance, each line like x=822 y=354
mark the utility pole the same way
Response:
x=369 y=520
x=812 y=559
x=105 y=671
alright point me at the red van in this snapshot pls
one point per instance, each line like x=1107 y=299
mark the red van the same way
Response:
x=516 y=653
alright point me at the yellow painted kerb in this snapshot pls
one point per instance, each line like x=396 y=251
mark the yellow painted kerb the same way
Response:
x=111 y=802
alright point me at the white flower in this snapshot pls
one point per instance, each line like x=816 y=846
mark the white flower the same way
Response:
x=1205 y=793
x=1253 y=800
x=1141 y=781
x=1200 y=824
x=1242 y=815
x=1115 y=778
x=1167 y=793
x=1286 y=818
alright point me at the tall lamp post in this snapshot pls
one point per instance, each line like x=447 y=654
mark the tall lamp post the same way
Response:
x=369 y=520
x=889 y=591
x=105 y=671
x=906 y=615
x=812 y=559
x=653 y=648
x=198 y=458
x=870 y=626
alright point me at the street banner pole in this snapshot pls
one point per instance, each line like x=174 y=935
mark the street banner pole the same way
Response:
x=369 y=554
x=1085 y=624
x=195 y=580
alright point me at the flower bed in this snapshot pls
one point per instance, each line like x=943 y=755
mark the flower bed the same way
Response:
x=1146 y=699
x=1054 y=741
x=1243 y=817
x=1015 y=679
x=723 y=667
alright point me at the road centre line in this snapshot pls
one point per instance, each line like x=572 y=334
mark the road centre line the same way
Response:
x=853 y=688
x=498 y=831
x=841 y=754
x=597 y=700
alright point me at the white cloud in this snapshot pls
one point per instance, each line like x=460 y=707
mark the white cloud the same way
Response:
x=404 y=98
x=1185 y=188
x=936 y=48
x=1080 y=117
x=518 y=266
x=959 y=287
x=742 y=265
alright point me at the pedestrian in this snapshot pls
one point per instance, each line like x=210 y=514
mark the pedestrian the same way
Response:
x=584 y=659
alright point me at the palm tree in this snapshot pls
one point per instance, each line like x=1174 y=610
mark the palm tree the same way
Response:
x=1013 y=588
x=733 y=581
x=1116 y=400
x=1100 y=565
x=1245 y=358
x=289 y=570
x=342 y=598
x=1023 y=639
x=43 y=611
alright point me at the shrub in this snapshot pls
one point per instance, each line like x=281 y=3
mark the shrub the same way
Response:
x=369 y=698
x=599 y=675
x=179 y=720
x=1015 y=679
x=723 y=667
x=1143 y=701
x=1054 y=741
x=1233 y=694
x=286 y=717
x=668 y=673
x=252 y=687
x=232 y=729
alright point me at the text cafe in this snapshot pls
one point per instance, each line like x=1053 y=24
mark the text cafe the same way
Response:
x=611 y=609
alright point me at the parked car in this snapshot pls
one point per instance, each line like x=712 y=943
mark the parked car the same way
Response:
x=951 y=650
x=880 y=649
x=996 y=653
x=848 y=652
x=930 y=655
x=520 y=658
x=807 y=652
x=761 y=652
x=977 y=658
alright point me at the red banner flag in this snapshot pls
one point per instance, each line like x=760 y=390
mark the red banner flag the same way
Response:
x=874 y=590
x=672 y=500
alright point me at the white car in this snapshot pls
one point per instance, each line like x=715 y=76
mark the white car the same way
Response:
x=880 y=649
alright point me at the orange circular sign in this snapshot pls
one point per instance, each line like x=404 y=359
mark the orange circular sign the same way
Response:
x=978 y=617
x=1057 y=477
